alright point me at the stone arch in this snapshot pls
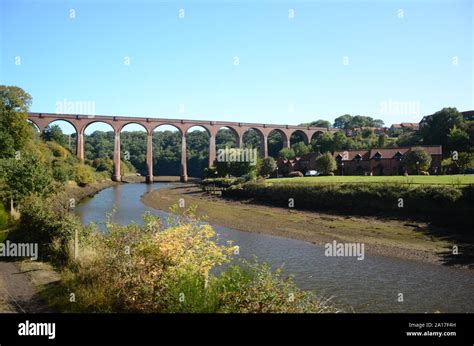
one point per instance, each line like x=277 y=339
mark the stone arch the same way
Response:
x=196 y=164
x=262 y=143
x=84 y=128
x=34 y=125
x=233 y=131
x=155 y=128
x=99 y=161
x=159 y=164
x=246 y=131
x=120 y=129
x=130 y=156
x=72 y=141
x=65 y=120
x=316 y=134
x=274 y=148
x=207 y=130
x=301 y=133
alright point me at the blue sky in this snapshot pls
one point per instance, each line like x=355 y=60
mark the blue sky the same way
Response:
x=242 y=61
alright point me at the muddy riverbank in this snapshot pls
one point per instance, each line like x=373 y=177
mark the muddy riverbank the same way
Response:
x=392 y=238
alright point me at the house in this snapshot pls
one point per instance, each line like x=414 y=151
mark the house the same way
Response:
x=285 y=167
x=380 y=161
x=306 y=162
x=302 y=163
x=397 y=128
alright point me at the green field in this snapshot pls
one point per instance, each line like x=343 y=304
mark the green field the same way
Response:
x=415 y=179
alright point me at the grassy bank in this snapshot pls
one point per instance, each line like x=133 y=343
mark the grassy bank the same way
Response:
x=388 y=237
x=451 y=206
x=414 y=179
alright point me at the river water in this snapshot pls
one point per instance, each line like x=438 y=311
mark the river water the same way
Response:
x=370 y=285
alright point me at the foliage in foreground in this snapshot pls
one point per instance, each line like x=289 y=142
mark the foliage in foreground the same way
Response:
x=48 y=222
x=150 y=268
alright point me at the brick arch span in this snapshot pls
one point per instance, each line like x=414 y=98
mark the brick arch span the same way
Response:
x=80 y=122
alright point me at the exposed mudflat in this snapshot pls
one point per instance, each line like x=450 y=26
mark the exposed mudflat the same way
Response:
x=387 y=237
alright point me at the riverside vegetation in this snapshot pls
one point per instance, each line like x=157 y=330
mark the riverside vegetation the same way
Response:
x=151 y=268
x=129 y=268
x=428 y=202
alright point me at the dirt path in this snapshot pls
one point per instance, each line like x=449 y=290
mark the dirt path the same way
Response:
x=17 y=293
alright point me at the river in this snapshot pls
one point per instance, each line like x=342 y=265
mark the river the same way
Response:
x=370 y=285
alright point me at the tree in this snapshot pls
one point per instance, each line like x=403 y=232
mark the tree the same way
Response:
x=318 y=123
x=361 y=121
x=15 y=132
x=54 y=133
x=408 y=139
x=326 y=163
x=339 y=140
x=234 y=169
x=382 y=140
x=301 y=148
x=268 y=166
x=26 y=175
x=435 y=128
x=367 y=132
x=458 y=140
x=464 y=161
x=378 y=123
x=417 y=160
x=324 y=143
x=286 y=153
x=343 y=122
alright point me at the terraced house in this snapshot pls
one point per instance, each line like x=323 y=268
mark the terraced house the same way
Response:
x=378 y=161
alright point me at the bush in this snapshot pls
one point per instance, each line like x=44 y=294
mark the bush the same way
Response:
x=417 y=160
x=126 y=167
x=295 y=174
x=83 y=175
x=48 y=222
x=4 y=217
x=160 y=273
x=368 y=199
x=253 y=288
x=267 y=166
x=103 y=165
x=26 y=176
x=57 y=150
x=326 y=163
x=61 y=171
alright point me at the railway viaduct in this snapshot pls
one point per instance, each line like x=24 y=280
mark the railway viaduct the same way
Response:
x=80 y=123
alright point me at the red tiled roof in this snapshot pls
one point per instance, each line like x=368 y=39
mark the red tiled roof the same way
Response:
x=350 y=154
x=385 y=153
x=409 y=124
x=399 y=126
